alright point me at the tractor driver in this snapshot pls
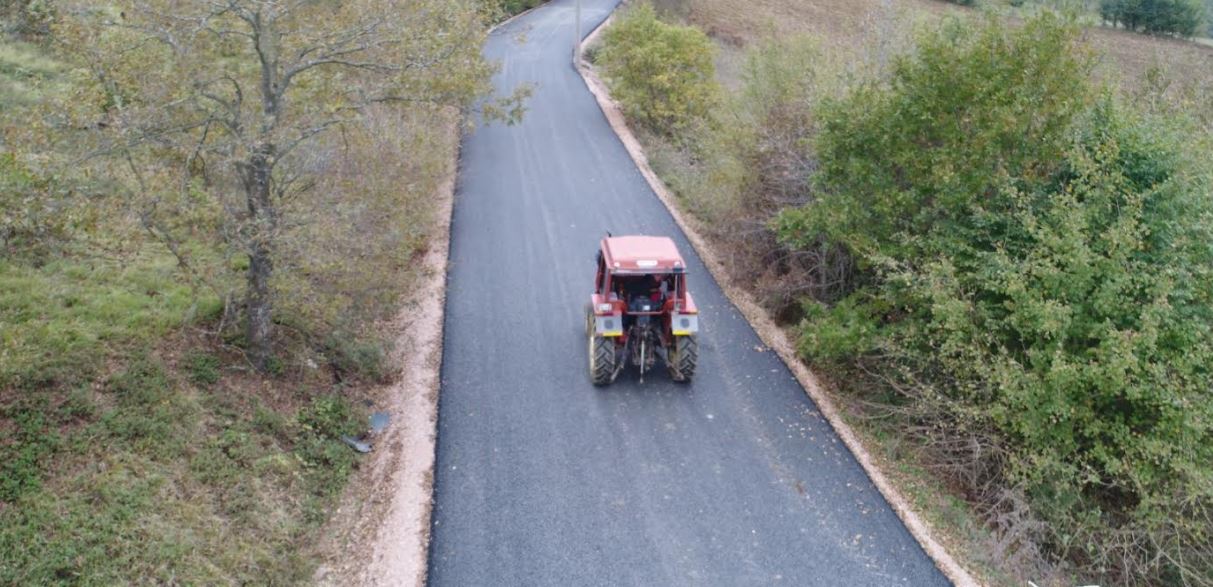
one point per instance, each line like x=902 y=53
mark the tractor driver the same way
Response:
x=648 y=286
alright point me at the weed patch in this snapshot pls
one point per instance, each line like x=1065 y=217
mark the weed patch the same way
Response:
x=203 y=368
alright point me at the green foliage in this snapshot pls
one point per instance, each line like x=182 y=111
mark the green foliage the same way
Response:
x=350 y=356
x=30 y=445
x=972 y=108
x=203 y=368
x=755 y=159
x=140 y=476
x=312 y=206
x=1038 y=282
x=31 y=19
x=151 y=415
x=839 y=332
x=59 y=321
x=327 y=460
x=662 y=74
x=25 y=74
x=1162 y=17
x=512 y=7
x=329 y=416
x=36 y=217
x=143 y=480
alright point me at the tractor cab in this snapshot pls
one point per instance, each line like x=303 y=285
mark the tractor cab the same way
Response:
x=641 y=309
x=641 y=273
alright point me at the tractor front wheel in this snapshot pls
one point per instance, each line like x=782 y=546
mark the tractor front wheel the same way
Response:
x=682 y=358
x=603 y=357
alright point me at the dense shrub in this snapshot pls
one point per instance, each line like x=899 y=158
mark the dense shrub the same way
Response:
x=1164 y=17
x=662 y=74
x=756 y=160
x=512 y=7
x=29 y=19
x=1037 y=296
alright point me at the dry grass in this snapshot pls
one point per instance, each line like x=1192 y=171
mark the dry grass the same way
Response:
x=858 y=29
x=840 y=22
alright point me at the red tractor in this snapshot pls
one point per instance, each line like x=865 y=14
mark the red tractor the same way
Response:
x=641 y=310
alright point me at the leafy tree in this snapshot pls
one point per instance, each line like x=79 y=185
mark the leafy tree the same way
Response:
x=1038 y=290
x=221 y=111
x=1162 y=17
x=662 y=74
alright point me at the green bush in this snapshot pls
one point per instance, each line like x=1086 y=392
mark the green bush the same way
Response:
x=1163 y=17
x=757 y=158
x=1038 y=291
x=663 y=75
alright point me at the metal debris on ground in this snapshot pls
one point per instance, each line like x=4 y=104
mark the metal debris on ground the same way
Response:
x=379 y=421
x=354 y=443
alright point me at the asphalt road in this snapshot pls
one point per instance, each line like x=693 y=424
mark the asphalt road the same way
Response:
x=543 y=479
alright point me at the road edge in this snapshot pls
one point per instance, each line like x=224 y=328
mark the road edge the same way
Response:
x=773 y=336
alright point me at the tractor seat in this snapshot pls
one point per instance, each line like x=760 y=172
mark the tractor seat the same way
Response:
x=644 y=304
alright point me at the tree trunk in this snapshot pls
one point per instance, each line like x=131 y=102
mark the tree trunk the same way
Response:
x=263 y=219
x=259 y=306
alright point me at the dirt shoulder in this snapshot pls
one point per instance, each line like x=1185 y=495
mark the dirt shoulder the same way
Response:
x=380 y=533
x=766 y=328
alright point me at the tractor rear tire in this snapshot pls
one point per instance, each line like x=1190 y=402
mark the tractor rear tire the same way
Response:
x=603 y=359
x=683 y=357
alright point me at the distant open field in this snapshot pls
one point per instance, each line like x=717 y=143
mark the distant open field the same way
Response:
x=859 y=26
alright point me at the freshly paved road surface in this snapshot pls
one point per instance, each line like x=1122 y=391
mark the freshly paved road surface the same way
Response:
x=543 y=479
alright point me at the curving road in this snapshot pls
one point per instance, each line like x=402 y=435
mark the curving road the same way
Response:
x=542 y=479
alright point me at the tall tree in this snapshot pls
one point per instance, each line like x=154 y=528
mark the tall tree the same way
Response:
x=217 y=99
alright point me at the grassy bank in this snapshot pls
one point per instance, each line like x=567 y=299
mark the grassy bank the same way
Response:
x=135 y=447
x=137 y=443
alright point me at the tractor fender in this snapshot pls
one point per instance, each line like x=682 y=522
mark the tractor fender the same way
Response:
x=610 y=325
